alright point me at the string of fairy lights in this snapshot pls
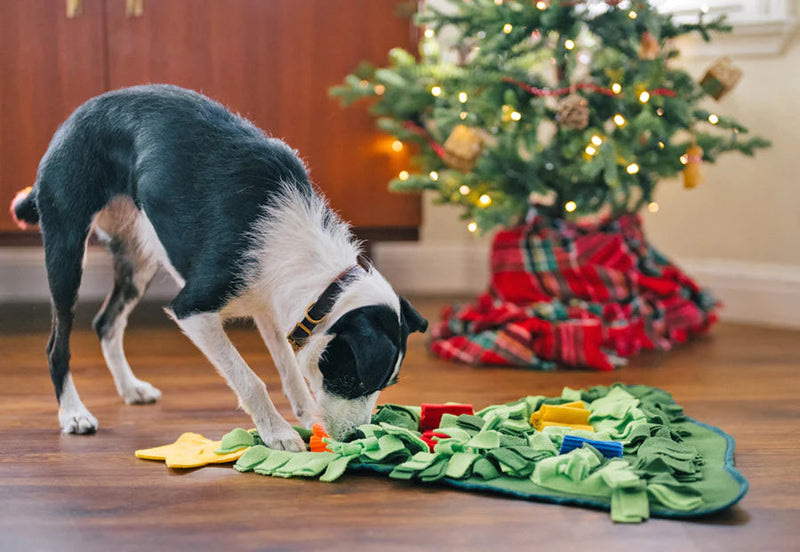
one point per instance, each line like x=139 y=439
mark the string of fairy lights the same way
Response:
x=509 y=114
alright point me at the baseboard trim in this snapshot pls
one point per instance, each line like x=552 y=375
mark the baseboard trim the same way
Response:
x=754 y=293
x=23 y=277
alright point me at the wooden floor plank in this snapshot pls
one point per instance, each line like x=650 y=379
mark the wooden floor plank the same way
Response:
x=90 y=493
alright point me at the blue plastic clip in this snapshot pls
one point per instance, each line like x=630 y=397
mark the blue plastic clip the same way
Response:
x=609 y=449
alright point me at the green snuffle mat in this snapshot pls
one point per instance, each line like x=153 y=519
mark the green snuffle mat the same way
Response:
x=672 y=466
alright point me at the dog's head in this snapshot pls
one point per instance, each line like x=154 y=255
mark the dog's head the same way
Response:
x=359 y=355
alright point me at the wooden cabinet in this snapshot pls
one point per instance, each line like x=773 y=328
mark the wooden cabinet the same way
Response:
x=270 y=60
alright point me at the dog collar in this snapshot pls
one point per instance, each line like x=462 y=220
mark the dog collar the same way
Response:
x=319 y=309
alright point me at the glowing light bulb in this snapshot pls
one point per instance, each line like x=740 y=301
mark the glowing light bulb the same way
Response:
x=498 y=2
x=659 y=112
x=591 y=150
x=652 y=207
x=436 y=90
x=619 y=120
x=515 y=116
x=633 y=168
x=380 y=89
x=570 y=206
x=704 y=8
x=429 y=33
x=632 y=14
x=616 y=88
x=684 y=159
x=403 y=175
x=569 y=44
x=541 y=5
x=596 y=140
x=485 y=199
x=463 y=115
x=507 y=28
x=464 y=189
x=644 y=97
x=713 y=119
x=661 y=145
x=472 y=226
x=397 y=145
x=434 y=175
x=462 y=97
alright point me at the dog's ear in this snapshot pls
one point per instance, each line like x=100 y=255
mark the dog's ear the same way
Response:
x=361 y=357
x=412 y=319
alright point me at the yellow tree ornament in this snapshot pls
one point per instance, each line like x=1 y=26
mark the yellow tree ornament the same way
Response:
x=463 y=147
x=692 y=172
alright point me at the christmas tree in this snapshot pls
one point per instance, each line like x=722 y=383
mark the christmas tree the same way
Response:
x=576 y=106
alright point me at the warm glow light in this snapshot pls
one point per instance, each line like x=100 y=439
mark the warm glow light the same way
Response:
x=397 y=145
x=684 y=159
x=644 y=97
x=403 y=175
x=380 y=89
x=619 y=120
x=633 y=168
x=596 y=140
x=485 y=199
x=515 y=116
x=570 y=206
x=507 y=28
x=632 y=14
x=436 y=90
x=616 y=88
x=363 y=83
x=498 y=2
x=661 y=145
x=462 y=97
x=463 y=115
x=472 y=226
x=434 y=175
x=428 y=33
x=652 y=207
x=464 y=189
x=659 y=112
x=569 y=44
x=541 y=5
x=591 y=150
x=713 y=119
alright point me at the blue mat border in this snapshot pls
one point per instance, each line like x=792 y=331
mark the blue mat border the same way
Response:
x=655 y=511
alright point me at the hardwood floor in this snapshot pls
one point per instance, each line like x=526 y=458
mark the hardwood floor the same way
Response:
x=90 y=492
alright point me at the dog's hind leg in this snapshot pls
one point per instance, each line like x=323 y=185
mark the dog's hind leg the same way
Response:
x=206 y=331
x=132 y=274
x=64 y=246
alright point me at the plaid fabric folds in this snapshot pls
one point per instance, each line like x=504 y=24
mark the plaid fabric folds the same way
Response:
x=575 y=296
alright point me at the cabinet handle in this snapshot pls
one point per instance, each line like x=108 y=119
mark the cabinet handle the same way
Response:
x=134 y=8
x=74 y=8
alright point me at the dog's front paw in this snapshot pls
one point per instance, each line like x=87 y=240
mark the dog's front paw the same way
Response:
x=79 y=421
x=284 y=439
x=141 y=392
x=307 y=417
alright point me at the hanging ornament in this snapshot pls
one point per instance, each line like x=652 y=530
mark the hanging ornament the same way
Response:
x=462 y=148
x=573 y=112
x=720 y=78
x=692 y=172
x=649 y=47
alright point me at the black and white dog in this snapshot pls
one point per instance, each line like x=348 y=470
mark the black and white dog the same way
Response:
x=168 y=177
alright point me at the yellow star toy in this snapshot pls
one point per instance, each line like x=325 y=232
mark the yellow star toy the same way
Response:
x=191 y=450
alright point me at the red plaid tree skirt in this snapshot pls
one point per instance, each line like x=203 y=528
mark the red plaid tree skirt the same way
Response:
x=570 y=295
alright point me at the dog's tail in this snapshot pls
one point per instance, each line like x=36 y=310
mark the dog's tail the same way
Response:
x=24 y=209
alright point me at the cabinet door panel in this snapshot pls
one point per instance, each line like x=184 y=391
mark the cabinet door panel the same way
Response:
x=49 y=65
x=273 y=61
